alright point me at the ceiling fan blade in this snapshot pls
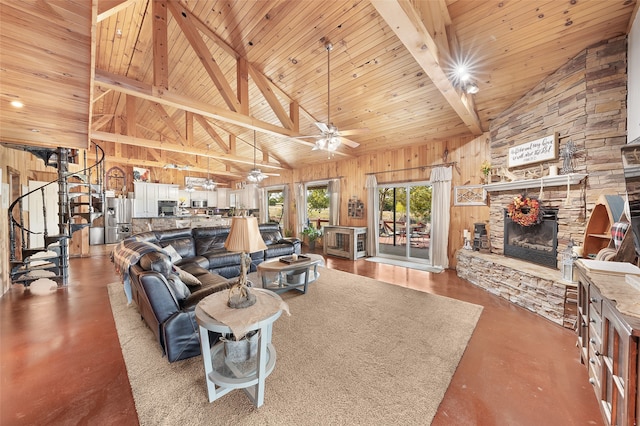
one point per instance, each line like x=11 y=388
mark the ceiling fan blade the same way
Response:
x=351 y=132
x=349 y=142
x=323 y=127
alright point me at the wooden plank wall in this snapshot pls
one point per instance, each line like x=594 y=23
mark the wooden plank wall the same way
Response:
x=468 y=155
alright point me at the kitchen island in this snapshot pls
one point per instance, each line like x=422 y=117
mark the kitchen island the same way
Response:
x=143 y=224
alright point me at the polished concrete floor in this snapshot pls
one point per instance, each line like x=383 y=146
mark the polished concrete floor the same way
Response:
x=61 y=363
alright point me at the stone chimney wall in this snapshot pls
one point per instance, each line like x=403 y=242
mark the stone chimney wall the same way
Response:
x=583 y=102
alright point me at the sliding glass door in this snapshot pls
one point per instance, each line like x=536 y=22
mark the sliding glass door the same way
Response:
x=405 y=221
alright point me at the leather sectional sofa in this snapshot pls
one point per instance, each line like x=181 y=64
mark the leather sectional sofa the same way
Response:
x=170 y=315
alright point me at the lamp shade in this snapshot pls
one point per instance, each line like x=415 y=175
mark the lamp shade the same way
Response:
x=244 y=235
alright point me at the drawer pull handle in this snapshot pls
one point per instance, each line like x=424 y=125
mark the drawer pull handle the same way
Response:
x=592 y=341
x=593 y=382
x=593 y=320
x=592 y=361
x=593 y=300
x=598 y=353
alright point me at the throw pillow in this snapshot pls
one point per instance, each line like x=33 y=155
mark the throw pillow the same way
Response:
x=173 y=254
x=186 y=277
x=179 y=289
x=157 y=261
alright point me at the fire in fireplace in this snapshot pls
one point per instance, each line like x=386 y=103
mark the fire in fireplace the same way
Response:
x=537 y=243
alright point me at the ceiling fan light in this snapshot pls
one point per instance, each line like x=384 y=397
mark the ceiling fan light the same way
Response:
x=209 y=184
x=472 y=88
x=334 y=143
x=256 y=176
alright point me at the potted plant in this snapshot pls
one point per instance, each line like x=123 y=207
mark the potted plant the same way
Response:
x=312 y=235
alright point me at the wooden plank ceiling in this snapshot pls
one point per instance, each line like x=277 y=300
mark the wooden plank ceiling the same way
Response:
x=180 y=82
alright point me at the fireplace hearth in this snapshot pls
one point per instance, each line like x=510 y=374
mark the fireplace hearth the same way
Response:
x=537 y=244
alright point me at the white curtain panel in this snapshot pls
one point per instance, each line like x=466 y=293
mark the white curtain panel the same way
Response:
x=263 y=205
x=373 y=215
x=284 y=223
x=301 y=209
x=334 y=202
x=440 y=215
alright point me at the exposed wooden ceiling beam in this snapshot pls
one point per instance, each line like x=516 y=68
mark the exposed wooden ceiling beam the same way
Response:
x=404 y=20
x=168 y=121
x=212 y=132
x=184 y=20
x=151 y=163
x=160 y=45
x=107 y=8
x=96 y=125
x=129 y=140
x=145 y=91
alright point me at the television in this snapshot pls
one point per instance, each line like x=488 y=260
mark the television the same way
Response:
x=631 y=163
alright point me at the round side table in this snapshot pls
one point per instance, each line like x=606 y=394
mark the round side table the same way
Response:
x=223 y=375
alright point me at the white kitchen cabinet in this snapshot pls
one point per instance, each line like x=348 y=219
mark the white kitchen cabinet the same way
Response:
x=212 y=198
x=246 y=198
x=222 y=201
x=199 y=196
x=166 y=191
x=146 y=199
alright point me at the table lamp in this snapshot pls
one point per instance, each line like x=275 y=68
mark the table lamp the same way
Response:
x=244 y=237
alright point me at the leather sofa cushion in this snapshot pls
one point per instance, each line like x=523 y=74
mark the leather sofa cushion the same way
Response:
x=221 y=257
x=149 y=237
x=198 y=260
x=211 y=283
x=172 y=234
x=271 y=237
x=277 y=250
x=211 y=238
x=156 y=261
x=183 y=245
x=231 y=272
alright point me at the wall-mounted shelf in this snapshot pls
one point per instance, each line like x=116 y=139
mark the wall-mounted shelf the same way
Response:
x=546 y=181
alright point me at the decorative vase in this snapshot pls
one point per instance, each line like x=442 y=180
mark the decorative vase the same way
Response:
x=241 y=350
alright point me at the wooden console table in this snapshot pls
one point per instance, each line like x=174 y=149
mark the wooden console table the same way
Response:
x=609 y=341
x=345 y=241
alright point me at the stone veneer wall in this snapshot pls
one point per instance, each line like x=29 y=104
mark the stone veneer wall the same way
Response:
x=540 y=290
x=585 y=102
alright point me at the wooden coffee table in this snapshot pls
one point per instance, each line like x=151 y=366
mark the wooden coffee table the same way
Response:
x=279 y=276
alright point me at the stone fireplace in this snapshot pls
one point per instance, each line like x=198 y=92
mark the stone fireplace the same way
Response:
x=537 y=243
x=583 y=102
x=512 y=269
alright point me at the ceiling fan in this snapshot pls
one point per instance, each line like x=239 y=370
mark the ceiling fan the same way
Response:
x=330 y=138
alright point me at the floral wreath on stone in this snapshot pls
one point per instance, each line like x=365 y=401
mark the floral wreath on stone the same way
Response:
x=525 y=211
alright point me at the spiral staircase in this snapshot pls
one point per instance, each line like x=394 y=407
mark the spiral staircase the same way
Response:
x=81 y=201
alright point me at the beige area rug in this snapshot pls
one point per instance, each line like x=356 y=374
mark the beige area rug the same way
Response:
x=353 y=351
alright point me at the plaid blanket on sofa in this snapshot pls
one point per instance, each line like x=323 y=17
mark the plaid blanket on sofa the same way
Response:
x=127 y=253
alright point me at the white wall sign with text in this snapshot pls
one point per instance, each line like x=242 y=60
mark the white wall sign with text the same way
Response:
x=542 y=149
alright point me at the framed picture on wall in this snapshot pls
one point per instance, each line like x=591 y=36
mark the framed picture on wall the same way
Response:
x=140 y=174
x=469 y=195
x=356 y=208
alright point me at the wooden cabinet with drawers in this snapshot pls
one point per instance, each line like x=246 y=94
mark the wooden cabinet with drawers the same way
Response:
x=608 y=342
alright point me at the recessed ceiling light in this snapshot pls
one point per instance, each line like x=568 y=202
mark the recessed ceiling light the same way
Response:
x=16 y=103
x=463 y=73
x=35 y=130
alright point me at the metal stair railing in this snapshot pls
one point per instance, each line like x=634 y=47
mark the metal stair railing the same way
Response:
x=64 y=216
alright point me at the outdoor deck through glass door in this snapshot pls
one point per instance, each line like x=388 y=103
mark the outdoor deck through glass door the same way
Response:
x=405 y=221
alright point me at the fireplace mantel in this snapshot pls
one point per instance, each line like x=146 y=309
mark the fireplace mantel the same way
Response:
x=545 y=181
